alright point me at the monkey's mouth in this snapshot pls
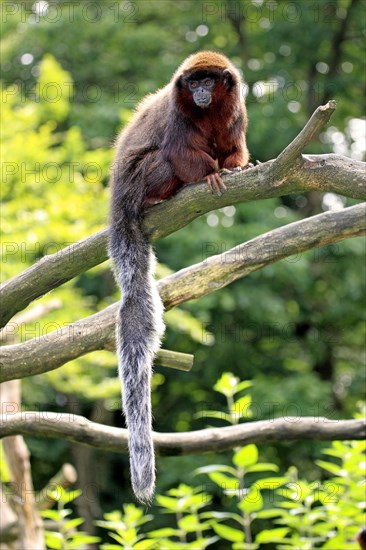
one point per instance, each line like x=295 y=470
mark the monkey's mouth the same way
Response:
x=203 y=103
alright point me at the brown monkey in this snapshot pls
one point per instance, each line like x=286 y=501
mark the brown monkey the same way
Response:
x=187 y=131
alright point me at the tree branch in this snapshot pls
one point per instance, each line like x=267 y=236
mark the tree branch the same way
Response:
x=78 y=429
x=310 y=131
x=270 y=179
x=97 y=331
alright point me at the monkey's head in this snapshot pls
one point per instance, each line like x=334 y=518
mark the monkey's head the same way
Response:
x=204 y=79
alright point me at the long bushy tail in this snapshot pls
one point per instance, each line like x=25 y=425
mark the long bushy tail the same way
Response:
x=139 y=330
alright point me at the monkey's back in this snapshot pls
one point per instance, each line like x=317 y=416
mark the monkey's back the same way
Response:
x=148 y=125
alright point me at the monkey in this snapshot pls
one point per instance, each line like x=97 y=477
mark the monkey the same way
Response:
x=193 y=128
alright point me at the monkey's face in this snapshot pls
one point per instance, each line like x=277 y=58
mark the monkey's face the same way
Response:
x=202 y=91
x=204 y=87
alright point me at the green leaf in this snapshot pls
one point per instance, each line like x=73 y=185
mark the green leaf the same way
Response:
x=215 y=468
x=241 y=407
x=144 y=544
x=228 y=533
x=50 y=514
x=198 y=544
x=81 y=541
x=334 y=452
x=72 y=523
x=227 y=384
x=331 y=467
x=263 y=467
x=244 y=385
x=224 y=482
x=246 y=456
x=269 y=514
x=222 y=515
x=168 y=503
x=164 y=532
x=270 y=483
x=252 y=502
x=129 y=535
x=272 y=535
x=69 y=496
x=54 y=540
x=338 y=542
x=189 y=523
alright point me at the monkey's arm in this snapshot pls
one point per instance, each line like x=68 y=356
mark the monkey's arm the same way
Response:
x=192 y=165
x=189 y=157
x=232 y=148
x=186 y=149
x=239 y=158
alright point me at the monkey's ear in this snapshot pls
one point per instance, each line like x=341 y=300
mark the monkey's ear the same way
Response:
x=180 y=82
x=228 y=79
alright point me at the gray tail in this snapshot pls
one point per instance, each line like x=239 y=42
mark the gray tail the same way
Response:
x=139 y=330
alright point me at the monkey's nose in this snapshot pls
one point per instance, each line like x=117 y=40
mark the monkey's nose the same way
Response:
x=202 y=98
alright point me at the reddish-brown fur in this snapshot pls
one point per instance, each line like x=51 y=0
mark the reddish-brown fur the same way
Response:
x=171 y=142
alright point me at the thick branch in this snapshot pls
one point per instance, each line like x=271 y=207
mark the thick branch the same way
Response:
x=79 y=429
x=218 y=271
x=97 y=331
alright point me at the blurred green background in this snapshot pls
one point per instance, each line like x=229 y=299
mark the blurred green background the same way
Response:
x=72 y=73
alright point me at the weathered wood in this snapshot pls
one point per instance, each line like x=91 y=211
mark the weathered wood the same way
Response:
x=98 y=331
x=78 y=429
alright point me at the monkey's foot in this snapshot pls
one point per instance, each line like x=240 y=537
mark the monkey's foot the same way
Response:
x=215 y=184
x=236 y=169
x=152 y=202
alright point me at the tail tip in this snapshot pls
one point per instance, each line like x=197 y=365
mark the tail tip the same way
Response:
x=144 y=495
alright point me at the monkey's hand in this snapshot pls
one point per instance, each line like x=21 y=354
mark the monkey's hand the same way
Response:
x=215 y=183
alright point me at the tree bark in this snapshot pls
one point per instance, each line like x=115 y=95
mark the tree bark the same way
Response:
x=79 y=429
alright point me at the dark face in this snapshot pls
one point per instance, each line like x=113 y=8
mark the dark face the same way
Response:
x=203 y=87
x=202 y=90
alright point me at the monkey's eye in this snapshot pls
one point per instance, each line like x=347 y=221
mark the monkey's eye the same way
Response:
x=194 y=84
x=208 y=82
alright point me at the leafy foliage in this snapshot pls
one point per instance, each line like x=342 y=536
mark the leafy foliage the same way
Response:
x=326 y=513
x=65 y=536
